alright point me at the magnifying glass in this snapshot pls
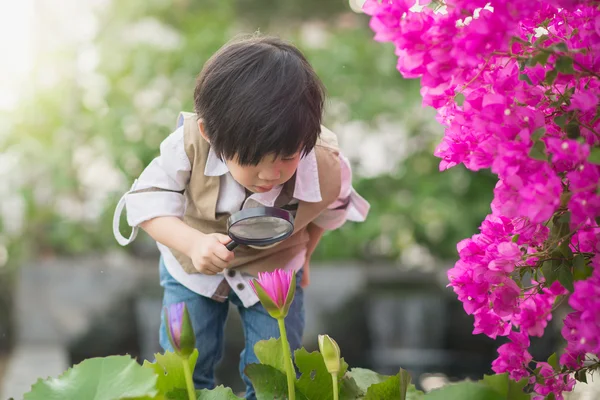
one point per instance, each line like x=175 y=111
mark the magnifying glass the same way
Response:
x=259 y=226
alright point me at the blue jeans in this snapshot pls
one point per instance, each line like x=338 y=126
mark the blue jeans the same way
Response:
x=208 y=319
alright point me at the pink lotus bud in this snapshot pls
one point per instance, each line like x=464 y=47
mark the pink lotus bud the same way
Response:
x=276 y=291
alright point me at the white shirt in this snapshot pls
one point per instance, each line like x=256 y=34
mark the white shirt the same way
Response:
x=171 y=171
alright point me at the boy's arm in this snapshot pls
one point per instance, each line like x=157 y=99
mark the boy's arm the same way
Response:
x=315 y=233
x=158 y=191
x=157 y=205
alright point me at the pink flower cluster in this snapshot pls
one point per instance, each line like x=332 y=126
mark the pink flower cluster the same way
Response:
x=517 y=86
x=582 y=327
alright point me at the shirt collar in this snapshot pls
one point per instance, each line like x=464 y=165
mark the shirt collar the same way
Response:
x=214 y=165
x=307 y=178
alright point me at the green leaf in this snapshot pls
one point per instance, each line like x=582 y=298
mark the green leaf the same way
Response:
x=581 y=271
x=560 y=47
x=414 y=394
x=365 y=377
x=349 y=390
x=525 y=77
x=579 y=261
x=515 y=238
x=565 y=277
x=516 y=390
x=538 y=151
x=550 y=76
x=459 y=99
x=581 y=376
x=565 y=249
x=508 y=388
x=594 y=156
x=169 y=368
x=553 y=361
x=108 y=378
x=540 y=58
x=550 y=270
x=270 y=383
x=539 y=41
x=358 y=381
x=218 y=393
x=315 y=381
x=573 y=131
x=564 y=65
x=519 y=40
x=538 y=133
x=582 y=274
x=177 y=394
x=561 y=226
x=388 y=389
x=561 y=120
x=464 y=390
x=270 y=352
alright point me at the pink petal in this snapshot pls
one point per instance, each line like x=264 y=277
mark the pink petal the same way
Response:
x=276 y=285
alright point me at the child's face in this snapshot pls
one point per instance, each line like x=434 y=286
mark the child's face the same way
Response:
x=270 y=172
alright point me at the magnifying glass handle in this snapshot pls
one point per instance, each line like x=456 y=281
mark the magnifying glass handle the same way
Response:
x=231 y=245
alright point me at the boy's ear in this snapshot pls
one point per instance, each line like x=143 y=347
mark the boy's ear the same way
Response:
x=202 y=129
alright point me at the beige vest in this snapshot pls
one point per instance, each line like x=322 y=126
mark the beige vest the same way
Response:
x=202 y=193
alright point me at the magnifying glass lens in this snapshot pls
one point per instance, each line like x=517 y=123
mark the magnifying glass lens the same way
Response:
x=260 y=228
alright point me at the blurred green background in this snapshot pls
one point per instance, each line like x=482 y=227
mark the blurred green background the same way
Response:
x=96 y=102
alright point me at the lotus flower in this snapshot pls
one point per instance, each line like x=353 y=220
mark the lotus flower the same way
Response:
x=179 y=328
x=276 y=291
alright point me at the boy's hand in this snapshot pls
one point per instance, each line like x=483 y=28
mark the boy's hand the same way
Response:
x=209 y=254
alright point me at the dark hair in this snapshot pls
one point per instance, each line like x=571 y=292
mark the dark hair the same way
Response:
x=258 y=95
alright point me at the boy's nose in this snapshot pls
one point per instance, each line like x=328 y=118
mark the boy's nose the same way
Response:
x=269 y=174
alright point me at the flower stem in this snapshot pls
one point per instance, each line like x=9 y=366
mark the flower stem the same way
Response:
x=287 y=355
x=336 y=391
x=188 y=378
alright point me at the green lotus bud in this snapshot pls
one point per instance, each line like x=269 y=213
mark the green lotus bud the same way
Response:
x=330 y=352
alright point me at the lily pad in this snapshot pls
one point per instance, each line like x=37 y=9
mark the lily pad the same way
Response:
x=108 y=378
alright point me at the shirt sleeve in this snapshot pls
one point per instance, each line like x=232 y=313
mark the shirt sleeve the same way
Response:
x=158 y=192
x=349 y=206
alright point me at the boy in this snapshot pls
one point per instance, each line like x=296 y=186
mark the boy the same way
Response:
x=255 y=139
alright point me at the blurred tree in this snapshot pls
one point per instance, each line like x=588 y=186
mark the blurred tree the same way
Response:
x=418 y=214
x=79 y=141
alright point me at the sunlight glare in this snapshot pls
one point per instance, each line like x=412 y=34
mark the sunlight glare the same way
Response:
x=16 y=48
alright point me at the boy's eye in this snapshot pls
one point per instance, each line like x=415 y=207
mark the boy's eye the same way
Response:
x=289 y=158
